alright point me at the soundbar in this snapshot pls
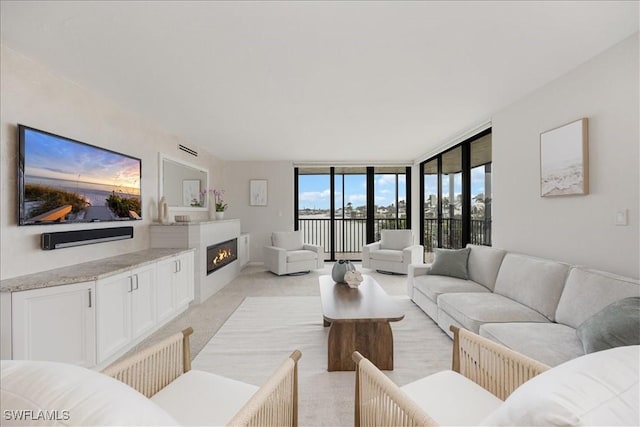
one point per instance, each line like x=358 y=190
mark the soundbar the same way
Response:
x=67 y=239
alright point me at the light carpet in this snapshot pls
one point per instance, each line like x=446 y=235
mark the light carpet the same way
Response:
x=263 y=331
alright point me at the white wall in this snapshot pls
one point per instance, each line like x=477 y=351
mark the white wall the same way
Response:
x=33 y=96
x=260 y=221
x=575 y=229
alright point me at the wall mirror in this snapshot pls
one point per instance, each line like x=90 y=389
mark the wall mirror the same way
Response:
x=181 y=184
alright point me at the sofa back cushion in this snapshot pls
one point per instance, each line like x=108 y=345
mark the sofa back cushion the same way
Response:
x=287 y=240
x=534 y=282
x=396 y=239
x=589 y=291
x=484 y=263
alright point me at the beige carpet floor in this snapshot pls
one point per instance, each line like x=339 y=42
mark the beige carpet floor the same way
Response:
x=263 y=331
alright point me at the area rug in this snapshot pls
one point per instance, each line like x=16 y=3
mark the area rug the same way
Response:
x=263 y=331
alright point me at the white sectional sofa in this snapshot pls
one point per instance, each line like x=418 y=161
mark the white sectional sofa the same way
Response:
x=529 y=304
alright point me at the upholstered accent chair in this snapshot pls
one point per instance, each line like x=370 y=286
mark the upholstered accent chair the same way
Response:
x=288 y=254
x=393 y=253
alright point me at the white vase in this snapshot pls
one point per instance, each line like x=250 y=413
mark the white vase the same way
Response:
x=219 y=215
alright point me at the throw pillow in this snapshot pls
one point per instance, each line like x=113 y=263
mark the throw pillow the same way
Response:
x=616 y=325
x=450 y=262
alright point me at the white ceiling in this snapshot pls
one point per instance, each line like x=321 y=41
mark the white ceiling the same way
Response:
x=315 y=81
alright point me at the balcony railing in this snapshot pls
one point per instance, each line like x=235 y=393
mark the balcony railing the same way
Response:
x=350 y=233
x=452 y=233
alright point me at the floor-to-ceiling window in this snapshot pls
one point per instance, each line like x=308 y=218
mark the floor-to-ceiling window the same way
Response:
x=456 y=196
x=343 y=208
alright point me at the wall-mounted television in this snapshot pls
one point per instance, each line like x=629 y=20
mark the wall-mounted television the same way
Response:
x=61 y=180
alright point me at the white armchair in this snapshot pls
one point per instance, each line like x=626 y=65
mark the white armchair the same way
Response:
x=393 y=253
x=288 y=254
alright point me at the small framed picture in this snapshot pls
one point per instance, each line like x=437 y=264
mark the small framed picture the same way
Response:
x=564 y=160
x=258 y=192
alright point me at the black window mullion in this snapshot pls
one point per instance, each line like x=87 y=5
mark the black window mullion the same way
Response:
x=466 y=194
x=407 y=198
x=296 y=201
x=370 y=221
x=332 y=213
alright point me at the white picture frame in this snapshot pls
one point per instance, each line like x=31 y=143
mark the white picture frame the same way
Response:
x=564 y=160
x=258 y=192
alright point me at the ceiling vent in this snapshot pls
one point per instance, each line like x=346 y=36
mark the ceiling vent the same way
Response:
x=188 y=150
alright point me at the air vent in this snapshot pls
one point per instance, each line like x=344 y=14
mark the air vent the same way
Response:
x=188 y=150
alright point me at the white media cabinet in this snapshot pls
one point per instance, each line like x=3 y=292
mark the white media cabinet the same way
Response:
x=92 y=313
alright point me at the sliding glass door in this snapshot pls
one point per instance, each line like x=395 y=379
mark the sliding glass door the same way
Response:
x=456 y=196
x=344 y=208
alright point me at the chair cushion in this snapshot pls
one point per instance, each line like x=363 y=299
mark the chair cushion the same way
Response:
x=589 y=291
x=534 y=282
x=616 y=325
x=301 y=255
x=434 y=286
x=386 y=255
x=472 y=310
x=79 y=395
x=600 y=388
x=201 y=398
x=396 y=239
x=442 y=394
x=549 y=343
x=450 y=262
x=288 y=240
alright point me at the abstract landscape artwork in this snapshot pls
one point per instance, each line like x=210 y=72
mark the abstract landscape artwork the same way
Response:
x=564 y=160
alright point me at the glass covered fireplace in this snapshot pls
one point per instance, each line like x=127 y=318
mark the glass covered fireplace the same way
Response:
x=221 y=254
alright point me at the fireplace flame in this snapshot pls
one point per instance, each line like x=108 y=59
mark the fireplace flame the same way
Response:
x=222 y=255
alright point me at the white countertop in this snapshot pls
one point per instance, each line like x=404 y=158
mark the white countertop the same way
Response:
x=87 y=271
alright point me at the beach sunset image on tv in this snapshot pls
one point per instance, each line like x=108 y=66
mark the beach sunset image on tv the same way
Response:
x=63 y=180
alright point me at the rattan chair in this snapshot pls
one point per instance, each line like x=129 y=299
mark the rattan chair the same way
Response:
x=153 y=369
x=497 y=369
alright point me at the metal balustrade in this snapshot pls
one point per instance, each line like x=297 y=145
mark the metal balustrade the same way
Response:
x=351 y=233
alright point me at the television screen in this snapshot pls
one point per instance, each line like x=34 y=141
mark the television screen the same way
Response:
x=66 y=181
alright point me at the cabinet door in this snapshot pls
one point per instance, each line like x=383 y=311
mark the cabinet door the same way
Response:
x=184 y=280
x=165 y=289
x=143 y=304
x=113 y=313
x=55 y=324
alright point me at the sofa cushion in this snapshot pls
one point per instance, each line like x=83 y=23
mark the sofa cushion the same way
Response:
x=450 y=262
x=534 y=282
x=396 y=239
x=199 y=398
x=484 y=264
x=434 y=395
x=301 y=255
x=616 y=325
x=433 y=286
x=589 y=291
x=386 y=255
x=472 y=310
x=288 y=240
x=549 y=343
x=81 y=396
x=600 y=388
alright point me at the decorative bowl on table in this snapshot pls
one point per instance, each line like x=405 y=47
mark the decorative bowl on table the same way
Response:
x=341 y=268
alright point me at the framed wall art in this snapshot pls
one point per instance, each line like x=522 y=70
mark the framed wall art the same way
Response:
x=258 y=192
x=564 y=160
